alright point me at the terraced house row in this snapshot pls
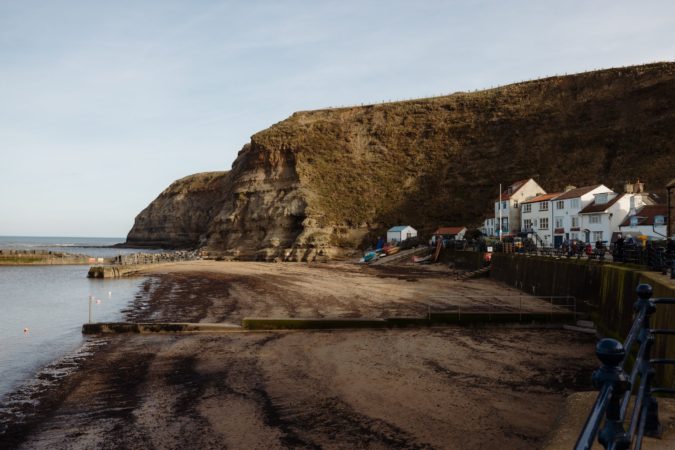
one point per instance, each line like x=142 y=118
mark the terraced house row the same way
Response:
x=588 y=213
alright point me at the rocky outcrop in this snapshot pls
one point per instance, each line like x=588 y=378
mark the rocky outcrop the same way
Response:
x=324 y=181
x=181 y=214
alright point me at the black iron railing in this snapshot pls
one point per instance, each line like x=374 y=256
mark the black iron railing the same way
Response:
x=620 y=391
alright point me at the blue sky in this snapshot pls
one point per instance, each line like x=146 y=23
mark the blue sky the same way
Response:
x=104 y=103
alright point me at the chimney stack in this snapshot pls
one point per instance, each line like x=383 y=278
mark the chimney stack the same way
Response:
x=639 y=187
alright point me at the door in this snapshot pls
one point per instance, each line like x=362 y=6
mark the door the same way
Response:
x=557 y=241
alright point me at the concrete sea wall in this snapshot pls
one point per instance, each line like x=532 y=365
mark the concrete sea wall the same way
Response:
x=464 y=260
x=116 y=271
x=605 y=291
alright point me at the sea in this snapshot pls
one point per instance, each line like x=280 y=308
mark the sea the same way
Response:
x=42 y=308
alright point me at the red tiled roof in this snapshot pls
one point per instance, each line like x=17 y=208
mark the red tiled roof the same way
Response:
x=448 y=230
x=541 y=198
x=577 y=192
x=593 y=208
x=646 y=215
x=514 y=188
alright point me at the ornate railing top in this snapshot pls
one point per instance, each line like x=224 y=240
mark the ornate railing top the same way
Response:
x=610 y=411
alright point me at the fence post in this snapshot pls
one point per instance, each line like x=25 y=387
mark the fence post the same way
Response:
x=611 y=353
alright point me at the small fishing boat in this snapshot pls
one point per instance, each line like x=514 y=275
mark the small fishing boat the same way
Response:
x=422 y=259
x=392 y=250
x=370 y=256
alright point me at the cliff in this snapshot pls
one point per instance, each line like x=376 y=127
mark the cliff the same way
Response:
x=180 y=215
x=322 y=181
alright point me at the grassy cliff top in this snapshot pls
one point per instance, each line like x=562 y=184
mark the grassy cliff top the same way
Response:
x=197 y=182
x=438 y=161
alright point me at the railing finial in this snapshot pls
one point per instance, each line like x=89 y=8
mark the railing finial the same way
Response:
x=611 y=353
x=644 y=291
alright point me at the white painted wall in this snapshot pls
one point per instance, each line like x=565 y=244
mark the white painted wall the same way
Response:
x=610 y=219
x=535 y=216
x=511 y=207
x=571 y=209
x=398 y=236
x=646 y=230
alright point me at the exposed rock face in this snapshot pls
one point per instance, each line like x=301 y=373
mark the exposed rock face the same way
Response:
x=321 y=181
x=181 y=214
x=264 y=212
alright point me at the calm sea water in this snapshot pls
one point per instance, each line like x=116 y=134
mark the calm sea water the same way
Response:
x=95 y=247
x=51 y=302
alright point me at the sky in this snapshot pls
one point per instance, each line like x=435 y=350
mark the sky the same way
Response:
x=104 y=103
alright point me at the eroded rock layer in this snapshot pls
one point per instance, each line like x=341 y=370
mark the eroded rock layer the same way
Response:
x=181 y=214
x=323 y=181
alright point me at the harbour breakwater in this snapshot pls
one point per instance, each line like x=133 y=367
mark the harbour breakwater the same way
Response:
x=606 y=292
x=123 y=265
x=40 y=257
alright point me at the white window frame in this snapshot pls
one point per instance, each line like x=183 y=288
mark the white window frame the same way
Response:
x=595 y=218
x=574 y=203
x=575 y=221
x=558 y=222
x=527 y=207
x=560 y=204
x=543 y=206
x=543 y=223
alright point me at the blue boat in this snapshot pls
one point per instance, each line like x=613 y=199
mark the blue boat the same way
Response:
x=370 y=256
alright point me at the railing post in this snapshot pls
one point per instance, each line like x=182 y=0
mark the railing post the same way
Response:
x=652 y=424
x=611 y=353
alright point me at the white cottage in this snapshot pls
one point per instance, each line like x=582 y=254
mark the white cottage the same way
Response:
x=650 y=221
x=565 y=209
x=488 y=228
x=400 y=233
x=507 y=206
x=537 y=218
x=601 y=218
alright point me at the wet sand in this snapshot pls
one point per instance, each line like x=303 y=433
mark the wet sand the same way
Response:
x=404 y=388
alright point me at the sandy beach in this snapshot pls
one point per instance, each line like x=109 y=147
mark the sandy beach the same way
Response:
x=450 y=387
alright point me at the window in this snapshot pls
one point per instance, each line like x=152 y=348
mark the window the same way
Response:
x=594 y=218
x=633 y=221
x=659 y=220
x=597 y=236
x=558 y=222
x=527 y=207
x=560 y=204
x=575 y=221
x=601 y=198
x=574 y=203
x=505 y=224
x=543 y=206
x=574 y=236
x=527 y=224
x=515 y=204
x=543 y=223
x=503 y=205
